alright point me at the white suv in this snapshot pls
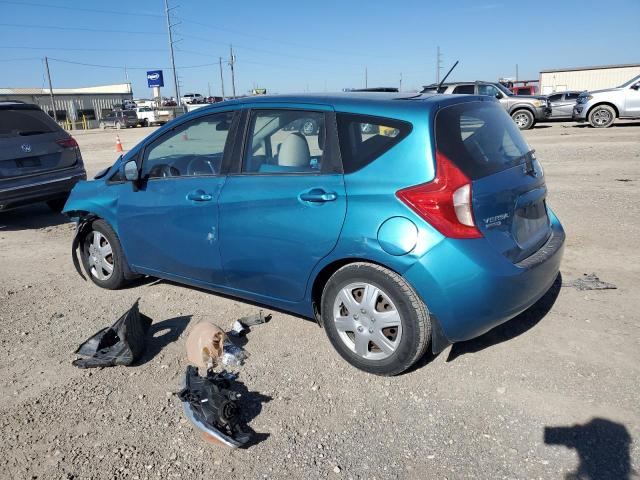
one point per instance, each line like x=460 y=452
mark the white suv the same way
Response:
x=191 y=98
x=601 y=107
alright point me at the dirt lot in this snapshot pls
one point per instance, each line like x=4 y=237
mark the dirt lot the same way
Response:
x=552 y=392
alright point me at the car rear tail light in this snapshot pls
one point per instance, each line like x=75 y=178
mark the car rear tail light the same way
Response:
x=444 y=202
x=67 y=142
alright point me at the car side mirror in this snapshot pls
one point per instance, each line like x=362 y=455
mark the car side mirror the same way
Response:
x=131 y=171
x=498 y=95
x=636 y=86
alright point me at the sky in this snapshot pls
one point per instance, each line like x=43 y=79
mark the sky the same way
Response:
x=317 y=46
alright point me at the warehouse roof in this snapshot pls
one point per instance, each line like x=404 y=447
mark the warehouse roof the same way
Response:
x=118 y=88
x=599 y=67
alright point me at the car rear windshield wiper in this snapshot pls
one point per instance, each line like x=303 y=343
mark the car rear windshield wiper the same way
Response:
x=26 y=133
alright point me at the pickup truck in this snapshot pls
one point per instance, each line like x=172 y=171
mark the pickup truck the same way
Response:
x=601 y=107
x=148 y=116
x=524 y=110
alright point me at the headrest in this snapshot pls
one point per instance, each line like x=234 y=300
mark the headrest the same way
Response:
x=294 y=151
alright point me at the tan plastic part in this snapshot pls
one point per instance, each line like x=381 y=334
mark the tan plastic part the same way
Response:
x=205 y=345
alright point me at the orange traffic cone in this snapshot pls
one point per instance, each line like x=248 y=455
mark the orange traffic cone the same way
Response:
x=118 y=144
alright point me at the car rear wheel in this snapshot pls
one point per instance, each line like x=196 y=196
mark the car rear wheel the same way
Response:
x=524 y=119
x=602 y=116
x=102 y=256
x=374 y=319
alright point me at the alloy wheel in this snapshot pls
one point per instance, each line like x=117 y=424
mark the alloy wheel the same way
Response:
x=367 y=321
x=99 y=255
x=521 y=119
x=601 y=117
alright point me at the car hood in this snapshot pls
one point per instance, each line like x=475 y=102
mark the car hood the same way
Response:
x=604 y=90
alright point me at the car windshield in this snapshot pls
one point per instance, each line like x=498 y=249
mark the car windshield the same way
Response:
x=503 y=89
x=630 y=82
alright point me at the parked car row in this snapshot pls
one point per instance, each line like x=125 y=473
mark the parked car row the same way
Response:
x=600 y=107
x=524 y=110
x=140 y=116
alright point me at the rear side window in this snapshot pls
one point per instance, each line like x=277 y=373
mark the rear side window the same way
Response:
x=464 y=89
x=21 y=122
x=364 y=138
x=480 y=138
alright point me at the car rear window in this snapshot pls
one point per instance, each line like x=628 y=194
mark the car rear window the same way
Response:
x=480 y=138
x=364 y=138
x=23 y=122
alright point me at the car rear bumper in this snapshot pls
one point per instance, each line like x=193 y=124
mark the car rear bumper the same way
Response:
x=40 y=188
x=471 y=288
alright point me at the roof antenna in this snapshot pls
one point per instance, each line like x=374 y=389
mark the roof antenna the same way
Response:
x=445 y=77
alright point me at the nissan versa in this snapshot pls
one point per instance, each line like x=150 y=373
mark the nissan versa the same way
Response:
x=430 y=228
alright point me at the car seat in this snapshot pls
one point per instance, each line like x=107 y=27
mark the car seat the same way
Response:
x=293 y=156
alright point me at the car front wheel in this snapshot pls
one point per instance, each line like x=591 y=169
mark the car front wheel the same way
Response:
x=602 y=116
x=374 y=319
x=524 y=119
x=102 y=256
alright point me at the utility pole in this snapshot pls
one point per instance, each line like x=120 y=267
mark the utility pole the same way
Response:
x=53 y=105
x=173 y=62
x=232 y=61
x=516 y=72
x=221 y=77
x=400 y=89
x=438 y=64
x=366 y=79
x=126 y=74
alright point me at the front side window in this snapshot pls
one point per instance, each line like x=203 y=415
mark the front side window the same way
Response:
x=555 y=98
x=285 y=141
x=364 y=138
x=572 y=96
x=194 y=148
x=487 y=90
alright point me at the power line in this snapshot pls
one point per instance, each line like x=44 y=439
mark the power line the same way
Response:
x=80 y=29
x=120 y=67
x=74 y=49
x=78 y=9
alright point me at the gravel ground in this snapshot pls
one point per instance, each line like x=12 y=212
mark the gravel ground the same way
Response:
x=552 y=392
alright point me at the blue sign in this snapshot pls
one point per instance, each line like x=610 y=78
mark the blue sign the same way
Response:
x=154 y=78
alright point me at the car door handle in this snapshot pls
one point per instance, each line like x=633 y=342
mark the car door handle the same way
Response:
x=199 y=196
x=318 y=195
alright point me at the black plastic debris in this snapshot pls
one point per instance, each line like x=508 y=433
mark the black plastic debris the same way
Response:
x=242 y=326
x=84 y=224
x=120 y=344
x=589 y=282
x=212 y=406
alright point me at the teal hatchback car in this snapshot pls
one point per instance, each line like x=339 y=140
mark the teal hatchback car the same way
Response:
x=400 y=221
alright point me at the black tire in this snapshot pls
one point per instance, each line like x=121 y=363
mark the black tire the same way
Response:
x=602 y=116
x=524 y=119
x=56 y=205
x=117 y=279
x=414 y=318
x=145 y=123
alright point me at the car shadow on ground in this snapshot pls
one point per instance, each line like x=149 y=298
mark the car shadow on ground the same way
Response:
x=603 y=448
x=162 y=334
x=32 y=217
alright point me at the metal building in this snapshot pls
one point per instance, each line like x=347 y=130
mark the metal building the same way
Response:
x=73 y=105
x=586 y=78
